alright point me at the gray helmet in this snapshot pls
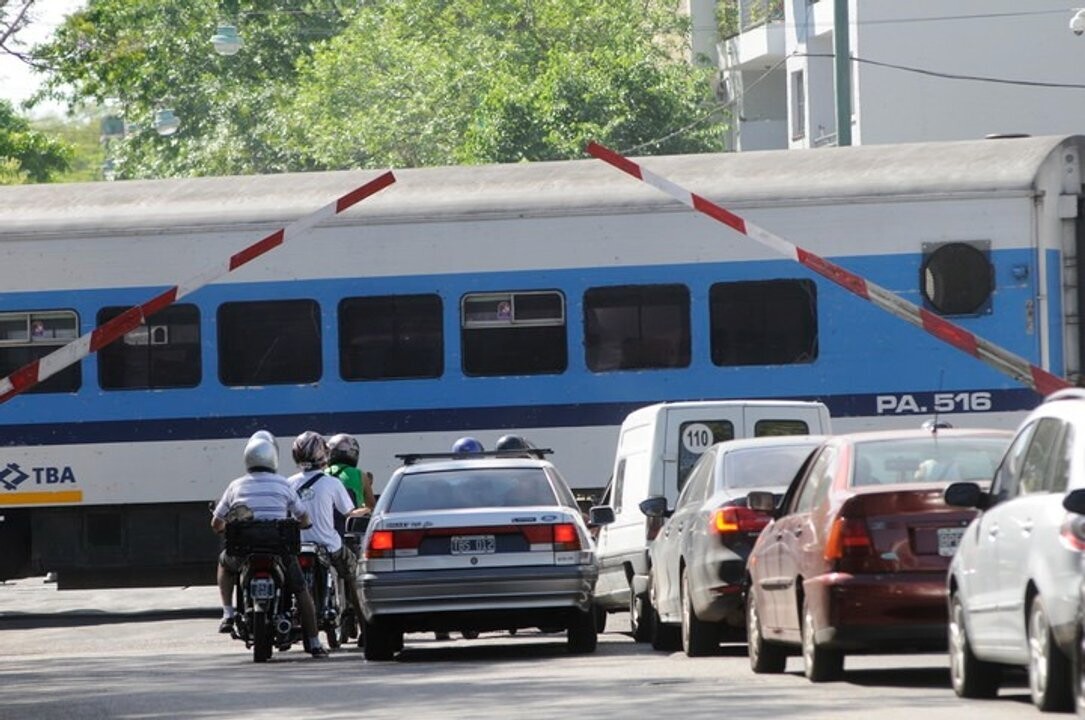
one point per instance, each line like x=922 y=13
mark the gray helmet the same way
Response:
x=512 y=442
x=259 y=453
x=310 y=452
x=343 y=449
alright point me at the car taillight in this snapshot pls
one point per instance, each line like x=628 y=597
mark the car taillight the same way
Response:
x=562 y=536
x=848 y=537
x=1072 y=532
x=737 y=519
x=566 y=537
x=385 y=543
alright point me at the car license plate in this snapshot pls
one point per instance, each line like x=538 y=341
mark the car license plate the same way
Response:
x=473 y=544
x=262 y=588
x=948 y=539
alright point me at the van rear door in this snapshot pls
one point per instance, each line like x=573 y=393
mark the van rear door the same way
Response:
x=689 y=432
x=761 y=420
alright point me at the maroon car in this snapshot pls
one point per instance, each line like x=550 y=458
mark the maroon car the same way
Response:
x=856 y=555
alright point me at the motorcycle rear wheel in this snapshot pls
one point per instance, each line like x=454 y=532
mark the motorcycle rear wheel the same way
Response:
x=261 y=636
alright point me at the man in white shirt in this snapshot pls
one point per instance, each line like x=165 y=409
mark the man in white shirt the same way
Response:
x=263 y=494
x=323 y=496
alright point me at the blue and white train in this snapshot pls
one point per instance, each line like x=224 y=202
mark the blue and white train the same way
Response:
x=546 y=299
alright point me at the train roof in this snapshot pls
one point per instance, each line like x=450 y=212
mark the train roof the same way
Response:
x=543 y=188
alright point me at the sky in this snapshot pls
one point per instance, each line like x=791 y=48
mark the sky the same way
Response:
x=17 y=81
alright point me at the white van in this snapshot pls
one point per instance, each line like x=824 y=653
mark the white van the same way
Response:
x=657 y=447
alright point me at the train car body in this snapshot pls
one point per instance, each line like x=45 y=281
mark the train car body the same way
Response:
x=545 y=299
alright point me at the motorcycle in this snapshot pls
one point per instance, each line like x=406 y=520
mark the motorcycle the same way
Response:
x=264 y=607
x=326 y=589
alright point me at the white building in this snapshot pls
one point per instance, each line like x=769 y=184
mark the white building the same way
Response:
x=921 y=70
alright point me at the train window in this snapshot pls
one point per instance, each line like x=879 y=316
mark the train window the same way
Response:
x=27 y=336
x=163 y=352
x=391 y=336
x=636 y=326
x=513 y=333
x=270 y=342
x=763 y=322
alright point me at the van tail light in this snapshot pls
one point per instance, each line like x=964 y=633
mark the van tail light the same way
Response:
x=848 y=538
x=1072 y=532
x=737 y=519
x=385 y=543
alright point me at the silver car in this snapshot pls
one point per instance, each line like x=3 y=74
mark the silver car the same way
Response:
x=1014 y=581
x=698 y=560
x=482 y=544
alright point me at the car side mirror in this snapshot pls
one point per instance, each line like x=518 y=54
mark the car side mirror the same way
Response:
x=654 y=507
x=965 y=494
x=762 y=501
x=600 y=515
x=1075 y=501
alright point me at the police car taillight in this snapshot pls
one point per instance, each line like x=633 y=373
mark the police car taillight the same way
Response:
x=385 y=543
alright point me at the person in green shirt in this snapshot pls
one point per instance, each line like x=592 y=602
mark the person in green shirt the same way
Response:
x=343 y=454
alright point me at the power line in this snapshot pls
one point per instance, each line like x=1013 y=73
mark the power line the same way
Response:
x=950 y=76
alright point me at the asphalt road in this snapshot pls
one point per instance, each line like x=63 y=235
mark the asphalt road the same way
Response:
x=156 y=654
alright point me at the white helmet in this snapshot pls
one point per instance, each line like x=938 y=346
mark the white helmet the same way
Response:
x=261 y=454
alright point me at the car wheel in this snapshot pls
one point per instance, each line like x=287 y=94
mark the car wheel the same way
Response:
x=698 y=637
x=764 y=657
x=469 y=634
x=381 y=642
x=641 y=615
x=1048 y=667
x=970 y=676
x=581 y=635
x=820 y=664
x=665 y=637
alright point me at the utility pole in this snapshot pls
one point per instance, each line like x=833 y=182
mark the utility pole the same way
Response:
x=842 y=71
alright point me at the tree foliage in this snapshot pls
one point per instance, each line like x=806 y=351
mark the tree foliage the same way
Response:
x=399 y=83
x=26 y=154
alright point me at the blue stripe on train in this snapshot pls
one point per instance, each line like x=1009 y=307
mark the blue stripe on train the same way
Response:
x=895 y=404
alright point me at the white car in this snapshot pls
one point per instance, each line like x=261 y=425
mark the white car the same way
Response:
x=476 y=543
x=1014 y=581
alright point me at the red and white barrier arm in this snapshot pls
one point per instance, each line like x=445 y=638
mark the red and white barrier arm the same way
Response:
x=33 y=373
x=1002 y=360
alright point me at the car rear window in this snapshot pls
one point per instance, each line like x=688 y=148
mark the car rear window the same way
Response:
x=462 y=489
x=917 y=460
x=768 y=467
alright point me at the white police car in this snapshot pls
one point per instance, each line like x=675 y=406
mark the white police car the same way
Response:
x=482 y=542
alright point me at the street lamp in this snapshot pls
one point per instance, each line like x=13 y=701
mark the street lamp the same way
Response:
x=1077 y=22
x=166 y=122
x=226 y=41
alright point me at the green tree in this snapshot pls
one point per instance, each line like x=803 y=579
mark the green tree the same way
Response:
x=134 y=57
x=383 y=83
x=82 y=134
x=27 y=155
x=421 y=82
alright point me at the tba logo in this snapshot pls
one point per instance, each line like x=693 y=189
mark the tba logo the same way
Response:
x=12 y=476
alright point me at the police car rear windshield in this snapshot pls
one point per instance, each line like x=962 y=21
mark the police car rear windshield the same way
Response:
x=476 y=488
